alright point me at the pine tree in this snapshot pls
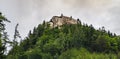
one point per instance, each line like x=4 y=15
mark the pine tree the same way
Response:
x=3 y=35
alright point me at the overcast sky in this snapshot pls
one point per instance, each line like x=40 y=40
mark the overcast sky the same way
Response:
x=30 y=13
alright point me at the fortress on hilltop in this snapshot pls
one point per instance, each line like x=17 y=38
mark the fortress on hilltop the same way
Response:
x=58 y=21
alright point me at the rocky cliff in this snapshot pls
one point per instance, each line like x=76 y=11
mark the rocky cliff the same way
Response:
x=58 y=21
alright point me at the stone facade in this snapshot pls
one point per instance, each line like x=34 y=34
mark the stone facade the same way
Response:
x=58 y=21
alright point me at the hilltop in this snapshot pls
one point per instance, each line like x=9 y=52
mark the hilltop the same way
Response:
x=72 y=41
x=58 y=21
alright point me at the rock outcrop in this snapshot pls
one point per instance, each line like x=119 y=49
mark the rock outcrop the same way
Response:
x=58 y=21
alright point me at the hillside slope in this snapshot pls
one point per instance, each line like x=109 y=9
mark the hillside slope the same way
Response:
x=71 y=41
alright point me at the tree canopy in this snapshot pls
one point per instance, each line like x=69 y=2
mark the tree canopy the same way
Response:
x=71 y=41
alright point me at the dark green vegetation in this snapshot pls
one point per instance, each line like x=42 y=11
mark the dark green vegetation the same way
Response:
x=3 y=36
x=80 y=41
x=70 y=42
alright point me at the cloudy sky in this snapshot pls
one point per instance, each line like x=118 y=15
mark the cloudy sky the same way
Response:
x=30 y=13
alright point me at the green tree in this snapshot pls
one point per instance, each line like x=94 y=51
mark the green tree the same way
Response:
x=3 y=38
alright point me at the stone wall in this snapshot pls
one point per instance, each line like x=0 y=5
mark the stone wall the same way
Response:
x=57 y=21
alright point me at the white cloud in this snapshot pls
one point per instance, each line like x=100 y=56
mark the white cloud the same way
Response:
x=30 y=13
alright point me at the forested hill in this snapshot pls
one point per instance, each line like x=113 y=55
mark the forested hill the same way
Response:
x=67 y=38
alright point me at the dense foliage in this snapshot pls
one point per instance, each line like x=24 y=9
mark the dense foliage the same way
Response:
x=79 y=41
x=70 y=41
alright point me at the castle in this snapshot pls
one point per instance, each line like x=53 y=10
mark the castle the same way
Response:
x=58 y=21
